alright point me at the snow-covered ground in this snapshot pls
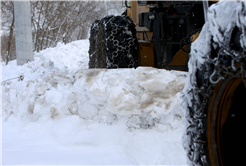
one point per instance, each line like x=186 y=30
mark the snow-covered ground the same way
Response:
x=63 y=113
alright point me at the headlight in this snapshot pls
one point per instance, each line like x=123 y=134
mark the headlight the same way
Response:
x=151 y=16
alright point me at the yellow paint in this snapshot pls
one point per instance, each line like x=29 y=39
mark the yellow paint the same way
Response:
x=195 y=36
x=146 y=54
x=179 y=58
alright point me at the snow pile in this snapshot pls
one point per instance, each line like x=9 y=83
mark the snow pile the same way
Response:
x=90 y=116
x=100 y=95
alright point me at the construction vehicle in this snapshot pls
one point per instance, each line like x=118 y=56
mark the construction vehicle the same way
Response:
x=159 y=34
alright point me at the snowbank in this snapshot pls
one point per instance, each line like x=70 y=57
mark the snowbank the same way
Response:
x=117 y=116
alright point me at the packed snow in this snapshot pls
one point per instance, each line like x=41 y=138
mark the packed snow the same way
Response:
x=63 y=113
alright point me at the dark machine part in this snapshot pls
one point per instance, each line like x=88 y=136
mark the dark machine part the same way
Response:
x=170 y=22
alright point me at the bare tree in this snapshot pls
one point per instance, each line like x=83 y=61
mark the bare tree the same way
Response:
x=55 y=21
x=7 y=9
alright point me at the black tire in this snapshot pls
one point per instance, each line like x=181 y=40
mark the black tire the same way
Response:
x=117 y=44
x=216 y=92
x=93 y=45
x=217 y=114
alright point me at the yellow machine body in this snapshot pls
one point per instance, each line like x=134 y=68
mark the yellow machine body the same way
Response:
x=147 y=48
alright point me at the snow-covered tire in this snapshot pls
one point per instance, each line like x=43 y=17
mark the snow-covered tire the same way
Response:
x=215 y=92
x=93 y=45
x=117 y=43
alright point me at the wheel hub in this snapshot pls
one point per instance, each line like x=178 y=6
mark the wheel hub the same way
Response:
x=224 y=125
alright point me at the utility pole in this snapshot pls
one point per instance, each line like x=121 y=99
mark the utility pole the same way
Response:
x=23 y=32
x=205 y=10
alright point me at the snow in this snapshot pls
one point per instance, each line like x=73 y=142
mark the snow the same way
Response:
x=63 y=113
